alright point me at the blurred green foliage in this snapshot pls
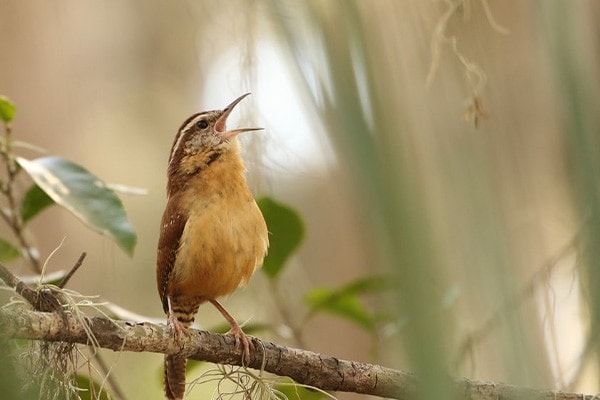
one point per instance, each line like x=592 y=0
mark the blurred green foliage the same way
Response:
x=34 y=201
x=8 y=252
x=83 y=194
x=345 y=301
x=62 y=182
x=286 y=231
x=7 y=109
x=71 y=186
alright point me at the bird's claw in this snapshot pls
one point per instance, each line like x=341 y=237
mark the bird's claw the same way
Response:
x=177 y=328
x=242 y=341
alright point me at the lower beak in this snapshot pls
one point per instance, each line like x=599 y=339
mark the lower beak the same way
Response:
x=220 y=124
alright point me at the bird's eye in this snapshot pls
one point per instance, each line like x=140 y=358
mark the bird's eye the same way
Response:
x=202 y=124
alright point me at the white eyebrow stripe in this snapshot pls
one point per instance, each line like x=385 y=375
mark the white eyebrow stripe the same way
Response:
x=182 y=133
x=176 y=146
x=193 y=122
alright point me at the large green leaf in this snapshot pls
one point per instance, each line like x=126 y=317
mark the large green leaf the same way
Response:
x=83 y=194
x=34 y=201
x=7 y=109
x=8 y=252
x=286 y=233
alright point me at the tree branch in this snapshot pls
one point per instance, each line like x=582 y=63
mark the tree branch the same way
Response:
x=52 y=323
x=303 y=366
x=306 y=367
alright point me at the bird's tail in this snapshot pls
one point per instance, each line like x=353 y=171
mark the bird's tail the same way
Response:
x=182 y=316
x=174 y=376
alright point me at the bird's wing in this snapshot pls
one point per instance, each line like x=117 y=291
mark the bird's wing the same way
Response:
x=172 y=227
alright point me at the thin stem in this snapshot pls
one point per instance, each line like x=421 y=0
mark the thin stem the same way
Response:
x=11 y=215
x=65 y=280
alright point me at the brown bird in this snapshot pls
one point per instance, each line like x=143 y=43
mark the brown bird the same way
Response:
x=213 y=235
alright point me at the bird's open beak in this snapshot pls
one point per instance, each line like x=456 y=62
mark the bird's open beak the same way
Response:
x=220 y=124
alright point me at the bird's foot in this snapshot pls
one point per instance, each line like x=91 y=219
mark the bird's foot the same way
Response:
x=242 y=341
x=177 y=327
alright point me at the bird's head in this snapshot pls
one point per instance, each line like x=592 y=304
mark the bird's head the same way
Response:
x=204 y=136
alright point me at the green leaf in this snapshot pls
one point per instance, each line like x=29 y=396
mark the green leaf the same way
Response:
x=339 y=303
x=286 y=233
x=49 y=278
x=369 y=284
x=34 y=201
x=7 y=109
x=344 y=300
x=84 y=195
x=8 y=252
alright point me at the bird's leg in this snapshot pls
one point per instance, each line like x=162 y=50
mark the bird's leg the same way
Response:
x=177 y=326
x=236 y=330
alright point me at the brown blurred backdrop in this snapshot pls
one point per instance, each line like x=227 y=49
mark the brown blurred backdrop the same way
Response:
x=106 y=84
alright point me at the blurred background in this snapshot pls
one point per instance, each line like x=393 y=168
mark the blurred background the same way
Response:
x=451 y=146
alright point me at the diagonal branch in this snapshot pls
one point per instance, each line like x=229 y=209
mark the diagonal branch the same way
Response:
x=306 y=367
x=303 y=366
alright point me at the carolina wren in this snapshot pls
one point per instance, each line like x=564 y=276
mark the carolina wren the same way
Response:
x=213 y=235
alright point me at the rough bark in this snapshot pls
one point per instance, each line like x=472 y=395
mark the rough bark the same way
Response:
x=306 y=367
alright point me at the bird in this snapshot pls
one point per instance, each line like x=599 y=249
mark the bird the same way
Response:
x=213 y=235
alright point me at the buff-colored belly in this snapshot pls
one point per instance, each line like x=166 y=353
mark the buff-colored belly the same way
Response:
x=219 y=250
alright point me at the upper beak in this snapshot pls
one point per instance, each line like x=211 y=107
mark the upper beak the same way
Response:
x=220 y=124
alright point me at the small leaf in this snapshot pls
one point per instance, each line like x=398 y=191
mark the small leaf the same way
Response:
x=52 y=278
x=84 y=195
x=343 y=301
x=369 y=284
x=7 y=109
x=8 y=252
x=286 y=233
x=339 y=303
x=34 y=201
